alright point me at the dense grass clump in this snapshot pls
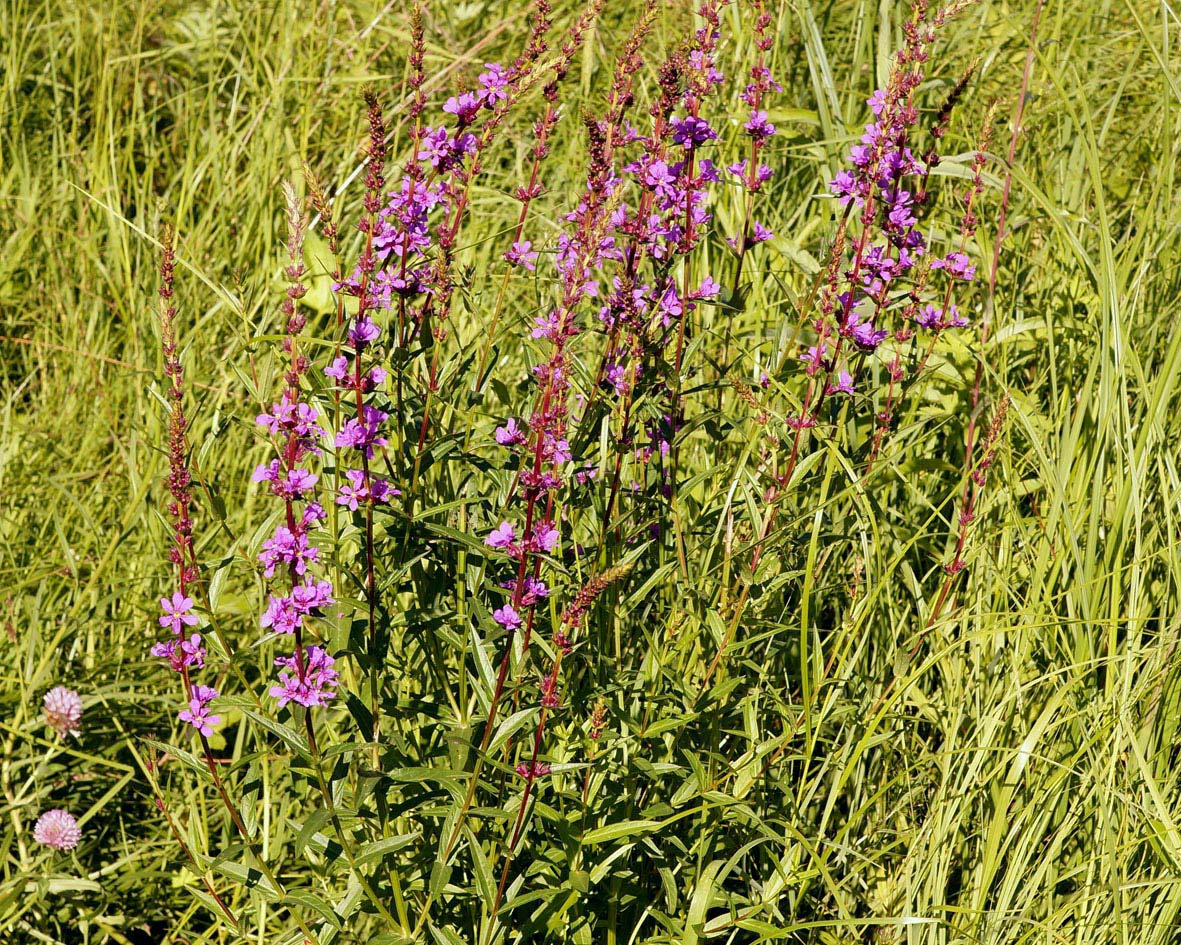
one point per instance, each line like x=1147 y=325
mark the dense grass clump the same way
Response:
x=590 y=471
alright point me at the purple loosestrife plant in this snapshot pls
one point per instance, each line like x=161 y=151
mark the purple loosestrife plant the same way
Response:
x=360 y=436
x=456 y=163
x=752 y=172
x=883 y=192
x=876 y=288
x=184 y=650
x=933 y=318
x=614 y=342
x=521 y=252
x=541 y=438
x=666 y=225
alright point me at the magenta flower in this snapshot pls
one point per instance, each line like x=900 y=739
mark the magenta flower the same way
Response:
x=198 y=714
x=275 y=421
x=814 y=357
x=507 y=617
x=493 y=82
x=502 y=536
x=535 y=590
x=936 y=318
x=362 y=432
x=288 y=547
x=360 y=489
x=843 y=385
x=58 y=829
x=177 y=612
x=863 y=333
x=848 y=188
x=63 y=711
x=311 y=596
x=511 y=434
x=545 y=537
x=298 y=482
x=521 y=253
x=267 y=472
x=463 y=106
x=556 y=451
x=546 y=326
x=313 y=513
x=691 y=132
x=531 y=771
x=759 y=127
x=363 y=332
x=956 y=265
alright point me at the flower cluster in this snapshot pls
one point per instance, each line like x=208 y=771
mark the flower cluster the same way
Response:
x=57 y=829
x=310 y=681
x=753 y=172
x=659 y=197
x=884 y=191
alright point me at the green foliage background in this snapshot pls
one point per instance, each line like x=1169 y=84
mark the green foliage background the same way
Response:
x=1014 y=781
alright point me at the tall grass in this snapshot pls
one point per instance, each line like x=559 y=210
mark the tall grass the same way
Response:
x=843 y=746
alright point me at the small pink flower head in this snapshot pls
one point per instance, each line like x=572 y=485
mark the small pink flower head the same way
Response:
x=63 y=711
x=58 y=829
